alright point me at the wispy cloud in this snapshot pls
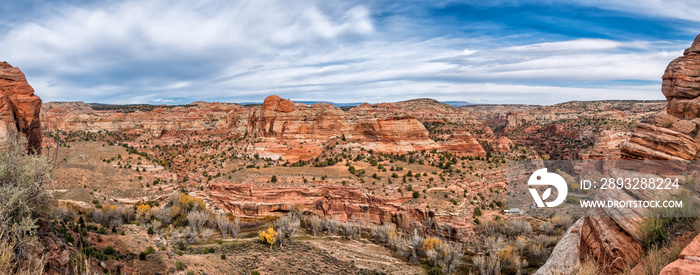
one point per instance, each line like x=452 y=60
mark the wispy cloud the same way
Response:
x=216 y=50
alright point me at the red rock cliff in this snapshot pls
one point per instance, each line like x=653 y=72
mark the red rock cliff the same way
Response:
x=19 y=106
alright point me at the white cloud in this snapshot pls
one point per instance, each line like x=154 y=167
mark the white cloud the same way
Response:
x=154 y=51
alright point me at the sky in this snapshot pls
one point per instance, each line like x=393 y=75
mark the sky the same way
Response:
x=483 y=52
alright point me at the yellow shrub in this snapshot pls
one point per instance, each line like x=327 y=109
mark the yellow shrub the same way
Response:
x=143 y=211
x=431 y=244
x=108 y=207
x=175 y=210
x=268 y=237
x=188 y=202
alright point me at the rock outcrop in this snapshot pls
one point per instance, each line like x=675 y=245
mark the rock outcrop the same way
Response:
x=502 y=144
x=337 y=202
x=293 y=131
x=681 y=83
x=19 y=107
x=564 y=260
x=688 y=261
x=610 y=239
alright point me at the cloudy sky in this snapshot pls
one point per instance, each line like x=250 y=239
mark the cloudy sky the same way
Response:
x=177 y=52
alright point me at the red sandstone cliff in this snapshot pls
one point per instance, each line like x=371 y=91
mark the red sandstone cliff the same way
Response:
x=19 y=107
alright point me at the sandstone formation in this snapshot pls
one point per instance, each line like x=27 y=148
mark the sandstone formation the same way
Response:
x=611 y=241
x=564 y=260
x=341 y=203
x=502 y=144
x=19 y=107
x=681 y=83
x=290 y=131
x=688 y=261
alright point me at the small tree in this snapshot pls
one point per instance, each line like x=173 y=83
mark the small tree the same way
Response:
x=273 y=179
x=268 y=237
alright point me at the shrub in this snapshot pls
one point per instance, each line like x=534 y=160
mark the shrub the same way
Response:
x=223 y=256
x=518 y=227
x=224 y=224
x=332 y=226
x=198 y=219
x=143 y=212
x=288 y=228
x=269 y=236
x=109 y=250
x=315 y=224
x=164 y=215
x=179 y=266
x=22 y=201
x=190 y=272
x=431 y=244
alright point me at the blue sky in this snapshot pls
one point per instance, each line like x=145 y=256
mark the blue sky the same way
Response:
x=179 y=51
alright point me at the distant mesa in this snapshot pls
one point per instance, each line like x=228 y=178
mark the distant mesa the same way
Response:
x=19 y=107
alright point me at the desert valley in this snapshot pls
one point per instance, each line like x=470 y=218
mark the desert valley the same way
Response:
x=283 y=187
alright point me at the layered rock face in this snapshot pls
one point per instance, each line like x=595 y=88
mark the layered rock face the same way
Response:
x=341 y=203
x=681 y=83
x=671 y=136
x=19 y=107
x=290 y=130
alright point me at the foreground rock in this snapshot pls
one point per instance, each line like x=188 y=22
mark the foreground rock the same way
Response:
x=19 y=107
x=688 y=261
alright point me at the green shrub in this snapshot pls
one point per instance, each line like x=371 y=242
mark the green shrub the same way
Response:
x=109 y=250
x=179 y=266
x=190 y=272
x=223 y=256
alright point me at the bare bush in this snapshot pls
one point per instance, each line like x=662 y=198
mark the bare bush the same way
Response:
x=206 y=234
x=490 y=228
x=164 y=215
x=189 y=235
x=414 y=246
x=451 y=256
x=348 y=230
x=518 y=227
x=487 y=265
x=226 y=227
x=494 y=244
x=547 y=228
x=332 y=227
x=198 y=219
x=155 y=224
x=288 y=228
x=316 y=224
x=384 y=233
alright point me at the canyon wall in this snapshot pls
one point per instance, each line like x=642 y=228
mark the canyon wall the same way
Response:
x=19 y=107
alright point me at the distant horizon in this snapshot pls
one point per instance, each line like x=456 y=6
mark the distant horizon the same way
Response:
x=484 y=52
x=352 y=104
